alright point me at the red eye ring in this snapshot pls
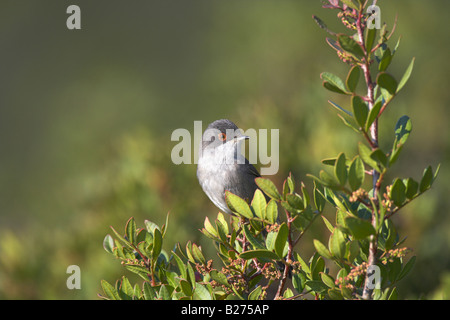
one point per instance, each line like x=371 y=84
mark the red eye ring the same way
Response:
x=222 y=136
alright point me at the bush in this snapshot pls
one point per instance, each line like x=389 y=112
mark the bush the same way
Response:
x=258 y=246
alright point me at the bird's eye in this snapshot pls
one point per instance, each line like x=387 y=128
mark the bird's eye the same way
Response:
x=222 y=136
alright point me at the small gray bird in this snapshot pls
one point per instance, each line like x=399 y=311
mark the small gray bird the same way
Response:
x=221 y=166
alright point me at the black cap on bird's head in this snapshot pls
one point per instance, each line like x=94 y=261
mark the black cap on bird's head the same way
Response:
x=220 y=132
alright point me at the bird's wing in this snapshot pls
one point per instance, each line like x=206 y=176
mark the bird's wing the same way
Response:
x=251 y=169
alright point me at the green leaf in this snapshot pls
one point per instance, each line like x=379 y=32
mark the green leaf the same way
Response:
x=427 y=179
x=109 y=290
x=221 y=223
x=186 y=287
x=180 y=265
x=191 y=274
x=210 y=228
x=150 y=226
x=259 y=204
x=373 y=114
x=388 y=82
x=360 y=110
x=350 y=45
x=299 y=281
x=108 y=244
x=316 y=286
x=340 y=108
x=412 y=187
x=385 y=60
x=403 y=128
x=364 y=153
x=353 y=250
x=295 y=201
x=149 y=292
x=254 y=241
x=327 y=280
x=353 y=78
x=306 y=197
x=130 y=230
x=327 y=179
x=157 y=244
x=143 y=236
x=268 y=187
x=348 y=124
x=270 y=240
x=259 y=253
x=328 y=224
x=291 y=183
x=164 y=293
x=333 y=44
x=281 y=240
x=201 y=292
x=337 y=244
x=121 y=238
x=126 y=289
x=238 y=205
x=350 y=4
x=406 y=75
x=380 y=157
x=340 y=169
x=303 y=264
x=254 y=295
x=398 y=192
x=272 y=211
x=322 y=25
x=319 y=200
x=139 y=270
x=197 y=253
x=219 y=277
x=407 y=268
x=356 y=173
x=359 y=228
x=335 y=294
x=322 y=249
x=317 y=265
x=393 y=295
x=333 y=83
x=370 y=38
x=390 y=234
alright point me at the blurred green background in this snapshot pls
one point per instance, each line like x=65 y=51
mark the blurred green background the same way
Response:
x=86 y=118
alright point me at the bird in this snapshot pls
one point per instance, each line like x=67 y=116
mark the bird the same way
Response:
x=221 y=166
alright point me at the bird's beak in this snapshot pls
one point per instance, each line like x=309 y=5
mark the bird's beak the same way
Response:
x=240 y=138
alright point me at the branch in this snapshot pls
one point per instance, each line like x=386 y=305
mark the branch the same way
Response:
x=373 y=139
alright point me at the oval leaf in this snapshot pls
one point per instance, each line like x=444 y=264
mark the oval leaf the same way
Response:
x=322 y=250
x=260 y=253
x=352 y=78
x=350 y=45
x=268 y=187
x=259 y=204
x=337 y=244
x=359 y=228
x=360 y=110
x=340 y=169
x=356 y=173
x=406 y=76
x=398 y=192
x=238 y=205
x=388 y=82
x=333 y=83
x=281 y=240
